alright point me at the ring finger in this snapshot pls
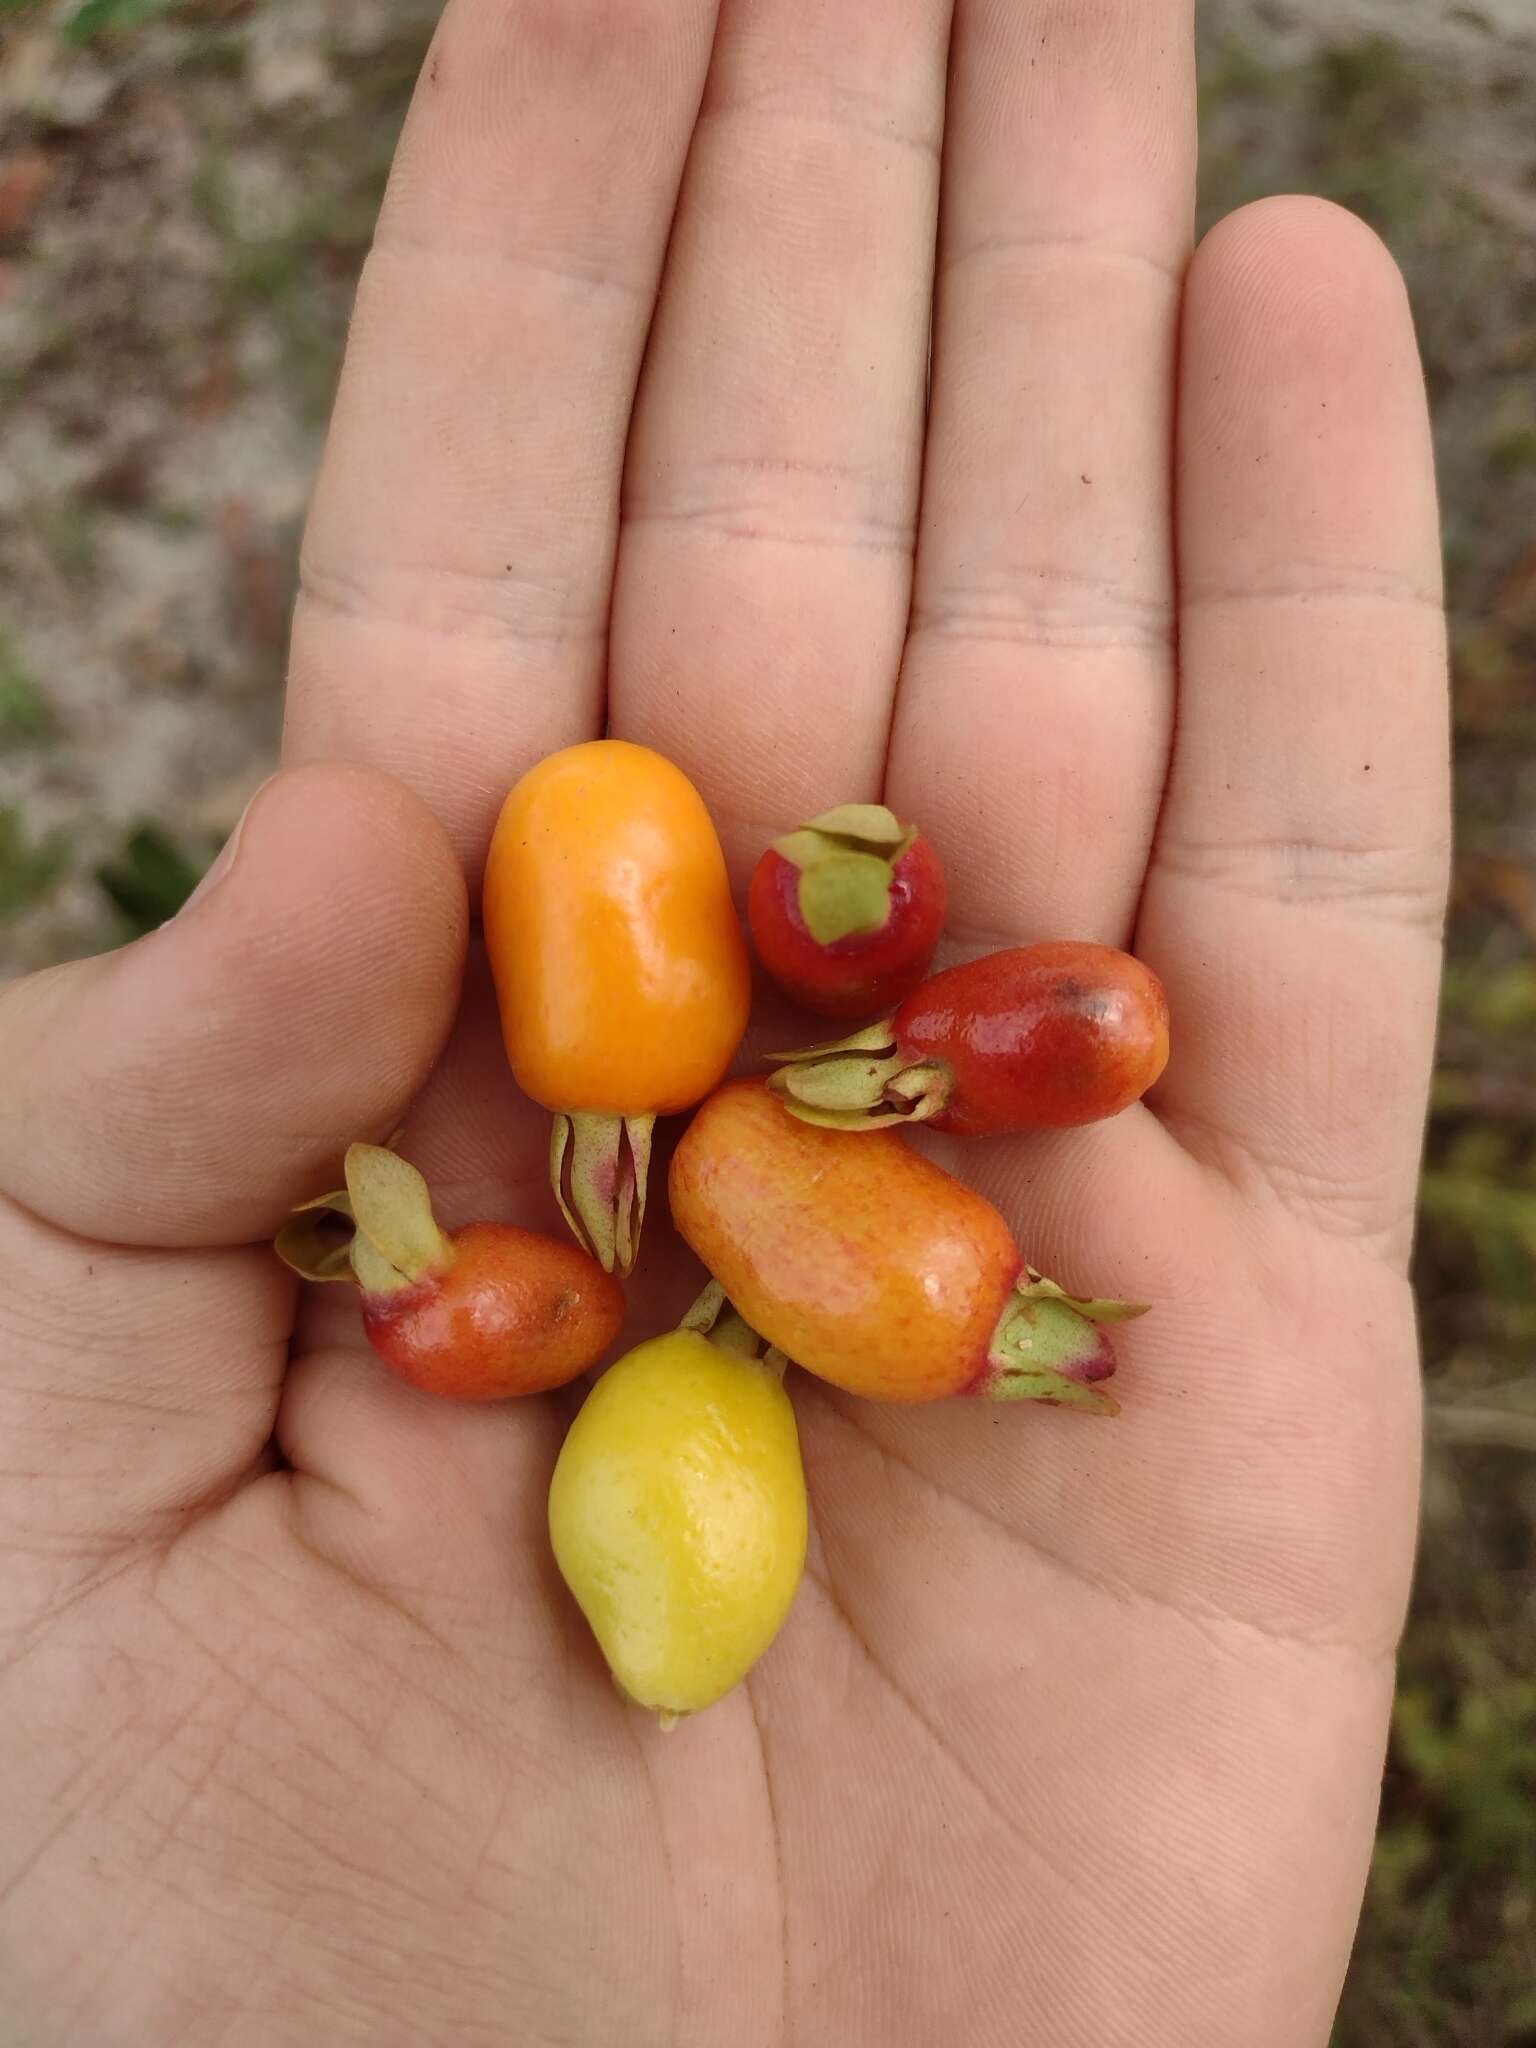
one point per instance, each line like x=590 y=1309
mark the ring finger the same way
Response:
x=1036 y=697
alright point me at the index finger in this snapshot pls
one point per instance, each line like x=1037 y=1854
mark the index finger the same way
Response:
x=459 y=555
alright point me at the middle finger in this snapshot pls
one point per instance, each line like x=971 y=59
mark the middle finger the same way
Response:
x=771 y=486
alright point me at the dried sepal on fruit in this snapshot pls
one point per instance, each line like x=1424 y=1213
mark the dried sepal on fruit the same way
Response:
x=599 y=1170
x=1048 y=1346
x=392 y=1239
x=481 y=1313
x=847 y=909
x=845 y=861
x=874 y=1269
x=863 y=1082
x=620 y=968
x=1036 y=1037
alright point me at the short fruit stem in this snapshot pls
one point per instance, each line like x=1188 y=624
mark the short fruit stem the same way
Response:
x=712 y=1316
x=598 y=1168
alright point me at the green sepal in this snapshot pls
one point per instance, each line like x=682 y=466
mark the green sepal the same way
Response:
x=599 y=1164
x=373 y=1272
x=304 y=1244
x=851 y=1085
x=843 y=894
x=392 y=1207
x=860 y=1083
x=1035 y=1287
x=865 y=824
x=392 y=1239
x=846 y=857
x=1014 y=1383
x=878 y=1039
x=1049 y=1346
x=803 y=847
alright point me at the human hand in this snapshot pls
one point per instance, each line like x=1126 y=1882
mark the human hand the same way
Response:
x=1074 y=1734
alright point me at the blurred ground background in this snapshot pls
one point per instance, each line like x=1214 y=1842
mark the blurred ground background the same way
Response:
x=186 y=191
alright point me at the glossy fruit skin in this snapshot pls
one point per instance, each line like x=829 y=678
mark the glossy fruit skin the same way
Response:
x=866 y=972
x=515 y=1313
x=677 y=1512
x=865 y=1262
x=619 y=961
x=1038 y=1037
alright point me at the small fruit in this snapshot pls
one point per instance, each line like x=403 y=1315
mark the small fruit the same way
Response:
x=677 y=1512
x=476 y=1315
x=620 y=968
x=875 y=1269
x=1033 y=1038
x=846 y=911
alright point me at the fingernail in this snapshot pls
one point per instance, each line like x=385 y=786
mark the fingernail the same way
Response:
x=224 y=860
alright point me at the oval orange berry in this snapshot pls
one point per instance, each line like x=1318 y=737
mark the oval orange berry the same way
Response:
x=619 y=962
x=872 y=1267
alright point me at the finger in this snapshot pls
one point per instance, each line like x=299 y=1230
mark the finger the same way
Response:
x=1033 y=714
x=185 y=1091
x=134 y=1385
x=443 y=1502
x=460 y=550
x=765 y=562
x=1293 y=907
x=190 y=1088
x=441 y=1493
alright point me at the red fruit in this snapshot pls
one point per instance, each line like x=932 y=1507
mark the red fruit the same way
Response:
x=846 y=911
x=1034 y=1038
x=873 y=1268
x=474 y=1315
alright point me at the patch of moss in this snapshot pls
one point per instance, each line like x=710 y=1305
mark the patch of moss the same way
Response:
x=29 y=868
x=151 y=877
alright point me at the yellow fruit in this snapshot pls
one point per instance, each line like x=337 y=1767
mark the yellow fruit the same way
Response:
x=678 y=1518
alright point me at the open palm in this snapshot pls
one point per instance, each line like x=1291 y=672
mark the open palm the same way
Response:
x=1073 y=1735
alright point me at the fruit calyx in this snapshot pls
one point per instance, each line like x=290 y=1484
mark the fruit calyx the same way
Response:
x=378 y=1231
x=1050 y=1346
x=861 y=1083
x=598 y=1167
x=712 y=1316
x=847 y=859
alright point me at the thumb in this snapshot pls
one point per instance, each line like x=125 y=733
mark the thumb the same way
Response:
x=188 y=1089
